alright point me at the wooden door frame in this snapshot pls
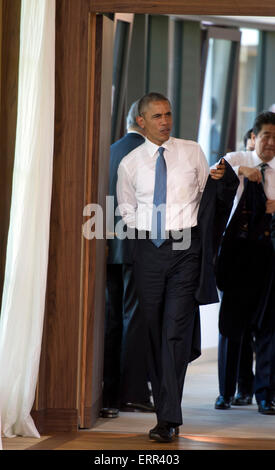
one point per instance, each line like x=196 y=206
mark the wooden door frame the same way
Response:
x=92 y=305
x=185 y=7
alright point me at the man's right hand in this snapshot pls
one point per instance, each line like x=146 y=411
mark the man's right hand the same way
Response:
x=252 y=174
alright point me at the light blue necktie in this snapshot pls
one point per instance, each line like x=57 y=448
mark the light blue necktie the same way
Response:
x=160 y=191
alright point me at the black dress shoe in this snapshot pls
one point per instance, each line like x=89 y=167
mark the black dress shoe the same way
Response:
x=266 y=408
x=242 y=399
x=141 y=407
x=223 y=403
x=109 y=412
x=153 y=433
x=162 y=432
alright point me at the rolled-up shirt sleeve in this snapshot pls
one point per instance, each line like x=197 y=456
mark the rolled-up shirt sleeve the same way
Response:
x=127 y=203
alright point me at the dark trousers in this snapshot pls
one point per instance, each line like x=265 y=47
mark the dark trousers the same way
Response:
x=125 y=374
x=229 y=351
x=246 y=375
x=166 y=283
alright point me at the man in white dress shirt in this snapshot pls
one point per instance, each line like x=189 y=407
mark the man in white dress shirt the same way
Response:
x=167 y=273
x=246 y=269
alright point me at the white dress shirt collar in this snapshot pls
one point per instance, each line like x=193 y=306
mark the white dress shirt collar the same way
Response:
x=271 y=163
x=258 y=160
x=153 y=148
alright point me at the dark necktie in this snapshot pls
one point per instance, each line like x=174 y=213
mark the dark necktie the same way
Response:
x=160 y=192
x=263 y=167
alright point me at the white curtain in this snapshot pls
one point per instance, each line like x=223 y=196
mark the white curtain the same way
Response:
x=22 y=312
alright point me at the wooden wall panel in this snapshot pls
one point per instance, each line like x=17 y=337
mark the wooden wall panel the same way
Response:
x=186 y=7
x=9 y=56
x=57 y=392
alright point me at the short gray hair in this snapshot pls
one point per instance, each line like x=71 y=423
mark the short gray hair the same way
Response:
x=132 y=115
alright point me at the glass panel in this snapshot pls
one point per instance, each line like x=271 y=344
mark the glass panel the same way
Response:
x=247 y=87
x=214 y=94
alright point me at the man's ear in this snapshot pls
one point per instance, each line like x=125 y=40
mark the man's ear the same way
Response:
x=140 y=121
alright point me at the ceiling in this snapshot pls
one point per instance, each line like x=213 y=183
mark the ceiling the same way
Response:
x=258 y=22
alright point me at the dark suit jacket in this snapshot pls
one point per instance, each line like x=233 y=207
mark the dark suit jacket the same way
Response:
x=120 y=251
x=245 y=268
x=214 y=211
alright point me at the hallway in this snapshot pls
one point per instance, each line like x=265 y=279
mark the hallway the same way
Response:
x=204 y=428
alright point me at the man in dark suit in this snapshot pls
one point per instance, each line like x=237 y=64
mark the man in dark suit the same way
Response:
x=125 y=369
x=173 y=259
x=245 y=270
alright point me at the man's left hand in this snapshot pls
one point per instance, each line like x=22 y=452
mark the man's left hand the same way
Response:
x=270 y=206
x=218 y=172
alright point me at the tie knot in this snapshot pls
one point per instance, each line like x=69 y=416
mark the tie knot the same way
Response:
x=263 y=166
x=161 y=150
